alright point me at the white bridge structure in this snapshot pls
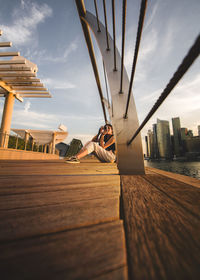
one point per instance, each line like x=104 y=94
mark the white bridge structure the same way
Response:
x=129 y=157
x=122 y=108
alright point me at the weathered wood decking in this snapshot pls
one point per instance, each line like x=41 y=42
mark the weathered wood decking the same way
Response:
x=64 y=221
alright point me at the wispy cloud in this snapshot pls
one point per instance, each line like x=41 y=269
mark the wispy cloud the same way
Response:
x=42 y=55
x=186 y=96
x=183 y=98
x=148 y=47
x=25 y=20
x=57 y=84
x=33 y=119
x=151 y=17
x=27 y=106
x=71 y=48
x=66 y=52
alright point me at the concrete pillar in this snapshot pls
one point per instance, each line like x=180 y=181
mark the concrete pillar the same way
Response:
x=26 y=139
x=53 y=142
x=32 y=144
x=50 y=148
x=16 y=142
x=45 y=148
x=6 y=119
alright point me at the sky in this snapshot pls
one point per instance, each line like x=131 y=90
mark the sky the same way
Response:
x=49 y=34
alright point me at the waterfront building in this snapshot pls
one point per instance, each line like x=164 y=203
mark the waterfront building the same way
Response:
x=177 y=136
x=190 y=133
x=192 y=144
x=150 y=143
x=147 y=146
x=184 y=133
x=164 y=139
x=160 y=144
x=155 y=142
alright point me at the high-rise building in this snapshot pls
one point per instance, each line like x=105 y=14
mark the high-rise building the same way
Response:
x=155 y=142
x=147 y=146
x=150 y=143
x=184 y=133
x=198 y=130
x=177 y=136
x=164 y=139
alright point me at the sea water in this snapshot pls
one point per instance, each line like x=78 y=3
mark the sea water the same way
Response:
x=188 y=168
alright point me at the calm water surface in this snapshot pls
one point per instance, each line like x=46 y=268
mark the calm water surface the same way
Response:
x=188 y=168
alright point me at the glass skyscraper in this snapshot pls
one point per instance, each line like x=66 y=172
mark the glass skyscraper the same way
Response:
x=164 y=139
x=177 y=136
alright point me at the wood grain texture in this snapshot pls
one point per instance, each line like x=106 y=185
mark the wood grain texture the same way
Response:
x=162 y=235
x=44 y=183
x=36 y=167
x=47 y=197
x=85 y=253
x=184 y=194
x=60 y=221
x=185 y=179
x=117 y=274
x=33 y=221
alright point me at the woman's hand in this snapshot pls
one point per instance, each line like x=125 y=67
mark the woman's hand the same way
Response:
x=102 y=130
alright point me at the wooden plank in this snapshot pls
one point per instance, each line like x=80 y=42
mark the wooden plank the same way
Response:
x=58 y=168
x=117 y=274
x=67 y=195
x=39 y=183
x=185 y=179
x=162 y=236
x=77 y=254
x=22 y=223
x=184 y=194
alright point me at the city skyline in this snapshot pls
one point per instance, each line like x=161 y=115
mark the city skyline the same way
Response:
x=161 y=142
x=49 y=34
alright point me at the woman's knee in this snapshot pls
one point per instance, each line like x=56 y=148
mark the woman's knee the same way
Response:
x=91 y=147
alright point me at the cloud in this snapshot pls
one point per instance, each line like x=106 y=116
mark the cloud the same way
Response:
x=63 y=58
x=58 y=84
x=151 y=17
x=31 y=119
x=153 y=96
x=27 y=106
x=25 y=118
x=42 y=55
x=148 y=47
x=71 y=48
x=25 y=21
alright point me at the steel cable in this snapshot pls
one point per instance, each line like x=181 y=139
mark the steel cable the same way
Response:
x=123 y=42
x=137 y=45
x=105 y=17
x=104 y=70
x=114 y=43
x=95 y=4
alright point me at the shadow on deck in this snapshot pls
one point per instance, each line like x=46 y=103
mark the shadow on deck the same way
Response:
x=62 y=221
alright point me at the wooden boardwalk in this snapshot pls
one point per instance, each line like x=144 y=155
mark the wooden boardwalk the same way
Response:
x=84 y=221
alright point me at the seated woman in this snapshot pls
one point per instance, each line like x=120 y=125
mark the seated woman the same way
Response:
x=102 y=145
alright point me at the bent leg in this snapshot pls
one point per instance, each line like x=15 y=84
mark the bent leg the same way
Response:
x=103 y=155
x=88 y=148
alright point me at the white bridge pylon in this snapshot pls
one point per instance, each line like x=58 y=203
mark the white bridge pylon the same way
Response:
x=129 y=157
